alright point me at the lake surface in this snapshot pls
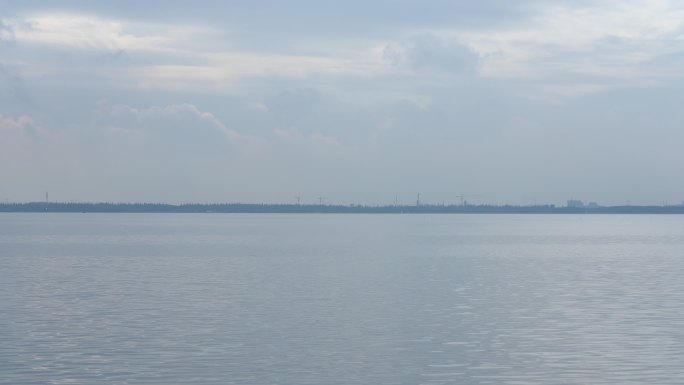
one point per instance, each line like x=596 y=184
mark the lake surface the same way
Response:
x=341 y=299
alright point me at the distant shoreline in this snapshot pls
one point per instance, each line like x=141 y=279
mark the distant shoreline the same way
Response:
x=249 y=208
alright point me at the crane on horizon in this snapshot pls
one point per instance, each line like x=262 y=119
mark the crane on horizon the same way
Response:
x=465 y=196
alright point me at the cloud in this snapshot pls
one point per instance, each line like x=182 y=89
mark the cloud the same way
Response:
x=316 y=141
x=12 y=87
x=24 y=124
x=667 y=65
x=604 y=39
x=180 y=125
x=430 y=53
x=234 y=71
x=6 y=33
x=154 y=55
x=90 y=33
x=257 y=107
x=20 y=132
x=278 y=21
x=598 y=41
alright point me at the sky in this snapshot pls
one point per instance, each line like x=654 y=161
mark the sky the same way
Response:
x=516 y=102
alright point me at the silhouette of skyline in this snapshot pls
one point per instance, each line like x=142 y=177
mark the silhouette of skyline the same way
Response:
x=290 y=208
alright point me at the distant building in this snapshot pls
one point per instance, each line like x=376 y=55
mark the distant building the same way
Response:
x=575 y=203
x=593 y=205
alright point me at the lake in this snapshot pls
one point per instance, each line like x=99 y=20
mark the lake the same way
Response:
x=341 y=299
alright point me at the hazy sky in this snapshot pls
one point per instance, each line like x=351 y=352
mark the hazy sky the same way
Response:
x=356 y=101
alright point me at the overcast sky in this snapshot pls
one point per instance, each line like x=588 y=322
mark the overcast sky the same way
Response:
x=515 y=102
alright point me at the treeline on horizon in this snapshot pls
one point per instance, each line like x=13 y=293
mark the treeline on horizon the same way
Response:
x=106 y=207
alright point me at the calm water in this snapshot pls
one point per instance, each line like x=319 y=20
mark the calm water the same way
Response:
x=341 y=299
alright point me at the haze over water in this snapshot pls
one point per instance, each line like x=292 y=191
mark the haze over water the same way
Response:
x=341 y=299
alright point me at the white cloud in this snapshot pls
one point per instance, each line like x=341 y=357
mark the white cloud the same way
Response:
x=226 y=71
x=94 y=33
x=184 y=121
x=604 y=39
x=257 y=107
x=22 y=128
x=213 y=63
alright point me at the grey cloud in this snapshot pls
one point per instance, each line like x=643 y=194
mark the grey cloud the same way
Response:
x=14 y=93
x=116 y=57
x=20 y=125
x=256 y=25
x=426 y=53
x=672 y=62
x=184 y=123
x=6 y=34
x=81 y=61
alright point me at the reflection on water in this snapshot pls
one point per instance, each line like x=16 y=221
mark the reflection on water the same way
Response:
x=341 y=299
